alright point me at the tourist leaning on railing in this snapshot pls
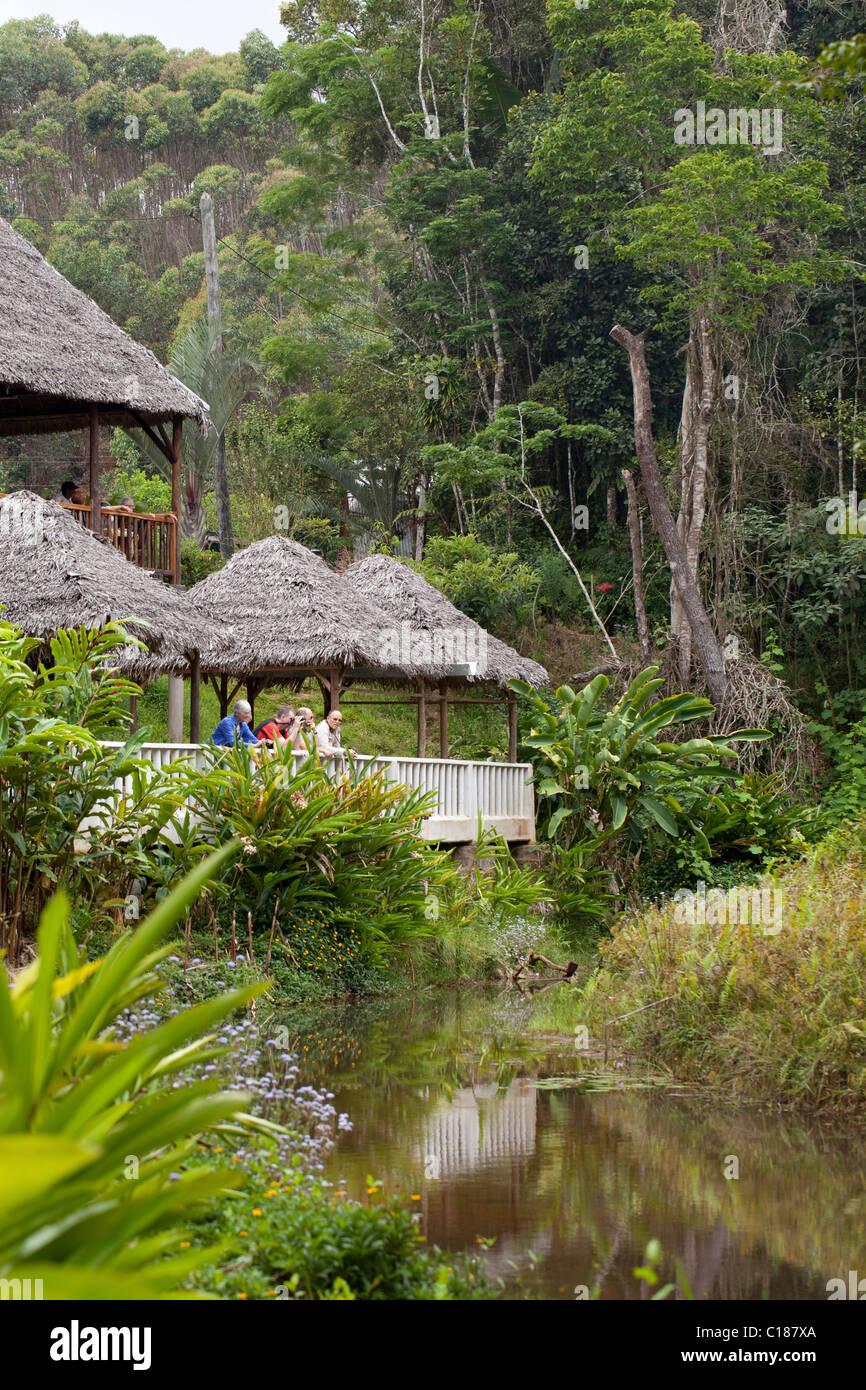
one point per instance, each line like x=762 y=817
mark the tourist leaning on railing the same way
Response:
x=329 y=736
x=235 y=727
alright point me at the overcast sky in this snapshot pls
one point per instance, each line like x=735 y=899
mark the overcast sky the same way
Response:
x=218 y=25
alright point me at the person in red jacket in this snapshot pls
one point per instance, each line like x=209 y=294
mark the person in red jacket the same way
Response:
x=280 y=729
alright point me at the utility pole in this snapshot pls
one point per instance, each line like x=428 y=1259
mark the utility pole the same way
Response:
x=214 y=317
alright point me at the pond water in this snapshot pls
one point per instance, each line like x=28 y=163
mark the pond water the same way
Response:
x=502 y=1131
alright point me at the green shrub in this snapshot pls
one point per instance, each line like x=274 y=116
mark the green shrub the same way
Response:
x=489 y=585
x=56 y=775
x=301 y=1241
x=742 y=828
x=774 y=1010
x=196 y=564
x=347 y=849
x=94 y=1140
x=602 y=774
x=318 y=533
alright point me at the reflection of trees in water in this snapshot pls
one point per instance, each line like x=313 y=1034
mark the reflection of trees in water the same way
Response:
x=582 y=1180
x=801 y=1193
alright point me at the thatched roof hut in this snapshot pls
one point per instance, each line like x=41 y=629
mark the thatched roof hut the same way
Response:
x=283 y=608
x=61 y=353
x=54 y=574
x=285 y=613
x=432 y=631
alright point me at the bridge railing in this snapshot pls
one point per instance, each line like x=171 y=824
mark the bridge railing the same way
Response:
x=503 y=793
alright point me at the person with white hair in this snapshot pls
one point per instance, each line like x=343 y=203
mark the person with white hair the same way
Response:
x=235 y=727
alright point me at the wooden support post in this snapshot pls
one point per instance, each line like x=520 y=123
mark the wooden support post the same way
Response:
x=252 y=692
x=133 y=710
x=443 y=719
x=95 y=507
x=224 y=696
x=195 y=699
x=422 y=720
x=334 y=700
x=512 y=727
x=176 y=504
x=175 y=709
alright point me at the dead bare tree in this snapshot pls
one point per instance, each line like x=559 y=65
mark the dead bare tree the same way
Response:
x=643 y=636
x=706 y=647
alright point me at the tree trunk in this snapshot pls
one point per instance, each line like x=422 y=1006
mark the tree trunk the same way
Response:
x=637 y=566
x=421 y=519
x=706 y=647
x=698 y=403
x=214 y=314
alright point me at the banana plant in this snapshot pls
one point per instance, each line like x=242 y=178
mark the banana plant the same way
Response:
x=94 y=1145
x=603 y=772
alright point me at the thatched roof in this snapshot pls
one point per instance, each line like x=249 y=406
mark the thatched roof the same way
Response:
x=54 y=574
x=432 y=630
x=281 y=606
x=59 y=352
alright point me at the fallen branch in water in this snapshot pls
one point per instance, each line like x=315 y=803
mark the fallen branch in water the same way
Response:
x=566 y=971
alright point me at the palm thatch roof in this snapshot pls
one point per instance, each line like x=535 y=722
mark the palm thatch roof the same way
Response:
x=59 y=352
x=55 y=574
x=282 y=607
x=431 y=630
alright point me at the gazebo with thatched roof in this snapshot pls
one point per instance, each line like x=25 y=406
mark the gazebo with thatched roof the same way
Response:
x=56 y=574
x=65 y=365
x=432 y=629
x=286 y=614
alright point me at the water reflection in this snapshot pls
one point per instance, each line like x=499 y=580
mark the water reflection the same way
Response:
x=572 y=1181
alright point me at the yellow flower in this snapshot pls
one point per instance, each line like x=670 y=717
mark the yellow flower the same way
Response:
x=257 y=1211
x=414 y=1198
x=241 y=1295
x=184 y=1245
x=243 y=1233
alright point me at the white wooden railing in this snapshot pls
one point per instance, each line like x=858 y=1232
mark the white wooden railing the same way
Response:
x=502 y=792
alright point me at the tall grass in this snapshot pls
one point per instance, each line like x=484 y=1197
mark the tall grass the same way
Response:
x=771 y=1011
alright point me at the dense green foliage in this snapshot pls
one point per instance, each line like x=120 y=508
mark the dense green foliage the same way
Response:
x=402 y=266
x=764 y=1003
x=90 y=1134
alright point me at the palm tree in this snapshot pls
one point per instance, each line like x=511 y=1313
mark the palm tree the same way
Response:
x=220 y=377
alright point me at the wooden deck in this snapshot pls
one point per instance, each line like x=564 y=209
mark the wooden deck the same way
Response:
x=146 y=539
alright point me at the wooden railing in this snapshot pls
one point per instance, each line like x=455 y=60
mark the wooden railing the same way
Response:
x=502 y=793
x=146 y=539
